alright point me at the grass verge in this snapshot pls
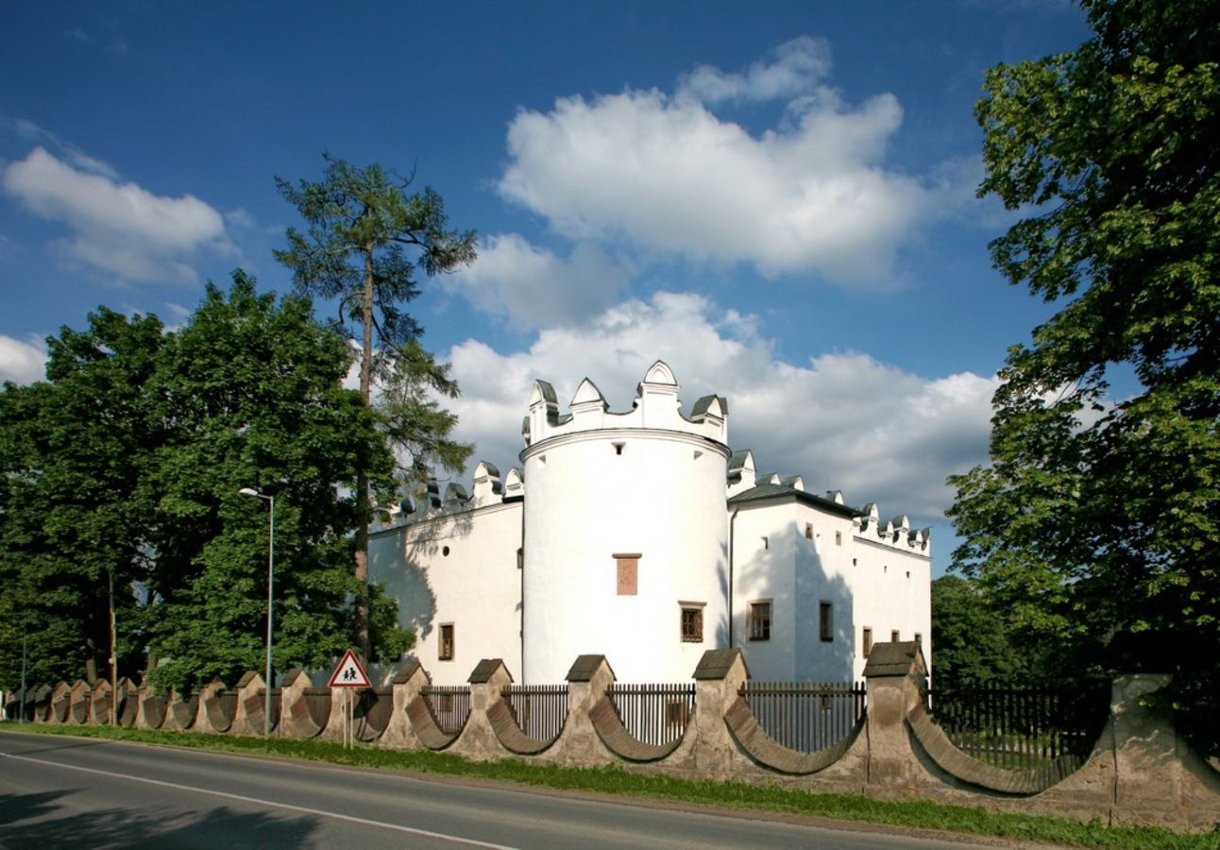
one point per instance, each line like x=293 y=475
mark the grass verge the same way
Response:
x=919 y=814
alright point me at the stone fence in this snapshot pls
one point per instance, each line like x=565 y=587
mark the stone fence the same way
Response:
x=1140 y=770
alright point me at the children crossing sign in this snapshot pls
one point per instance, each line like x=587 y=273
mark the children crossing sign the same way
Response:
x=350 y=673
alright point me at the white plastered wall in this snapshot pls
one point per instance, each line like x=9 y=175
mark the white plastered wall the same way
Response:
x=476 y=587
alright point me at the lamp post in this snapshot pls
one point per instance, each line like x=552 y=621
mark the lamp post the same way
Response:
x=250 y=491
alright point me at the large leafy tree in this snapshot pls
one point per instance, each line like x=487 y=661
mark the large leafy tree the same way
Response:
x=253 y=391
x=1097 y=521
x=73 y=449
x=126 y=464
x=367 y=238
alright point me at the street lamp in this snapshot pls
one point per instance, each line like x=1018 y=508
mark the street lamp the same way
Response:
x=250 y=491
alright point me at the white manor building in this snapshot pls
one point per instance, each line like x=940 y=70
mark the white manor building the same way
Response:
x=643 y=537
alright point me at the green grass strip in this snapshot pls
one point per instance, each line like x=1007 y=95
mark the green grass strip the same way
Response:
x=918 y=814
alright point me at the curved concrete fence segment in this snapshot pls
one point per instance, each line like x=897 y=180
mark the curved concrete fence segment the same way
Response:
x=510 y=735
x=766 y=751
x=424 y=725
x=183 y=711
x=308 y=713
x=372 y=713
x=619 y=741
x=220 y=709
x=969 y=769
x=152 y=711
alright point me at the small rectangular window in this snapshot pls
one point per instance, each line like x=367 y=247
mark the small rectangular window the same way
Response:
x=627 y=578
x=866 y=642
x=808 y=531
x=445 y=649
x=760 y=621
x=838 y=538
x=826 y=621
x=520 y=558
x=894 y=636
x=692 y=624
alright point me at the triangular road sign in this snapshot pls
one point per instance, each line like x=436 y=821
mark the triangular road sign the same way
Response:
x=350 y=673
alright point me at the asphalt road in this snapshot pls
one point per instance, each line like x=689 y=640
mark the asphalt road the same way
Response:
x=60 y=792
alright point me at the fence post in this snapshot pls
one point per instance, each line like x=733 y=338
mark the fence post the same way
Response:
x=896 y=674
x=478 y=741
x=721 y=672
x=1159 y=780
x=588 y=679
x=406 y=683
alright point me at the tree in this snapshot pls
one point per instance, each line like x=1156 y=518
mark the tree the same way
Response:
x=969 y=637
x=365 y=240
x=73 y=449
x=1097 y=521
x=251 y=391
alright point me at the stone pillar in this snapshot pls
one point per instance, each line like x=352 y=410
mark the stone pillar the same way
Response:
x=297 y=717
x=579 y=745
x=478 y=740
x=1150 y=779
x=80 y=700
x=719 y=676
x=406 y=684
x=99 y=703
x=896 y=673
x=248 y=716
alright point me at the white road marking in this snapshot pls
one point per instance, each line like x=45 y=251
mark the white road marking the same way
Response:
x=271 y=803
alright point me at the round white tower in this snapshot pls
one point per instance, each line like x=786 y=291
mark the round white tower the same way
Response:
x=625 y=539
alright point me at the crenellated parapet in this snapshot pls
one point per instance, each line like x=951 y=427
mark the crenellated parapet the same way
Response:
x=895 y=532
x=656 y=407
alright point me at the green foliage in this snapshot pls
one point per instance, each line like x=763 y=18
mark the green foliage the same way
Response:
x=255 y=391
x=72 y=453
x=127 y=461
x=366 y=237
x=971 y=641
x=1098 y=519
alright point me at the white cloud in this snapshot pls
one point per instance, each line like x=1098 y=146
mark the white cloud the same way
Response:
x=117 y=228
x=21 y=362
x=799 y=65
x=77 y=158
x=666 y=174
x=535 y=288
x=843 y=421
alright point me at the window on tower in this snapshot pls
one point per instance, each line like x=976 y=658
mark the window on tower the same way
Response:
x=692 y=622
x=445 y=647
x=760 y=620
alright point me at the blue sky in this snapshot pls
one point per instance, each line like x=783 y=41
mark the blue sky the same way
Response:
x=775 y=198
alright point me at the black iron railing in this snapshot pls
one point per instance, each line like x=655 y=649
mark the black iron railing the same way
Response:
x=806 y=716
x=1047 y=729
x=540 y=710
x=654 y=714
x=450 y=706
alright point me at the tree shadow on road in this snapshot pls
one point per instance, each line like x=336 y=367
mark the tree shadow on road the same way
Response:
x=51 y=819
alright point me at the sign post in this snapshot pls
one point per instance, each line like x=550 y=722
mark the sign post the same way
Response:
x=348 y=675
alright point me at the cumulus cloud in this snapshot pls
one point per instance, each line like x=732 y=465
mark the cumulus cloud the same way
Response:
x=21 y=362
x=667 y=174
x=117 y=228
x=535 y=288
x=843 y=421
